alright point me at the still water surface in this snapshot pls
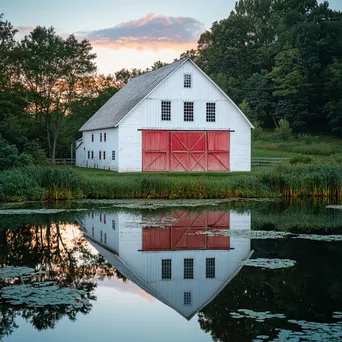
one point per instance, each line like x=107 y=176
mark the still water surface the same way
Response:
x=155 y=272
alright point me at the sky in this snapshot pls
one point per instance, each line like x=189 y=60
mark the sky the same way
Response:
x=125 y=33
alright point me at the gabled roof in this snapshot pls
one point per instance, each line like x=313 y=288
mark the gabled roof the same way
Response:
x=123 y=102
x=134 y=92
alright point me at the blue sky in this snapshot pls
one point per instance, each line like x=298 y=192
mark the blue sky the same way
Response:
x=113 y=25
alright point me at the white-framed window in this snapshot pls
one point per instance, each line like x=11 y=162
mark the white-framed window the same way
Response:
x=100 y=137
x=210 y=268
x=113 y=155
x=188 y=111
x=211 y=112
x=101 y=235
x=99 y=155
x=104 y=155
x=104 y=137
x=166 y=110
x=166 y=269
x=105 y=238
x=113 y=224
x=187 y=298
x=187 y=80
x=188 y=268
x=92 y=138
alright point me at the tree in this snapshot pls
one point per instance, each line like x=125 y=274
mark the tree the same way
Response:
x=52 y=69
x=10 y=157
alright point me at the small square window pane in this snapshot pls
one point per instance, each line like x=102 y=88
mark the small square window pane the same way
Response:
x=188 y=268
x=187 y=80
x=166 y=110
x=188 y=111
x=187 y=298
x=210 y=268
x=166 y=268
x=211 y=112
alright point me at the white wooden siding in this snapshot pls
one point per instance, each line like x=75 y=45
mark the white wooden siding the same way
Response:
x=148 y=116
x=111 y=144
x=126 y=241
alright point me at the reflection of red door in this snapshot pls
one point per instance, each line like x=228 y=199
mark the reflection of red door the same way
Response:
x=185 y=150
x=185 y=233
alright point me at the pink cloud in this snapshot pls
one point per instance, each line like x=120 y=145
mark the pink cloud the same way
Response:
x=154 y=32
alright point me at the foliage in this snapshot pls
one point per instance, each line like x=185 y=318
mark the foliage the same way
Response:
x=283 y=58
x=283 y=131
x=10 y=157
x=301 y=160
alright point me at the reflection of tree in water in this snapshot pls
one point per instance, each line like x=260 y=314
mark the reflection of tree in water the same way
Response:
x=63 y=253
x=311 y=291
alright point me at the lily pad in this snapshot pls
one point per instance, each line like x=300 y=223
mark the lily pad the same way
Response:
x=44 y=294
x=248 y=234
x=258 y=316
x=326 y=238
x=8 y=272
x=268 y=263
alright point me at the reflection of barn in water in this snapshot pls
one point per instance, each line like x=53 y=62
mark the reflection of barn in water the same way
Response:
x=183 y=264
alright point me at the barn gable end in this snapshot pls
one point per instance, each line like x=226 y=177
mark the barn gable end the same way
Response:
x=147 y=116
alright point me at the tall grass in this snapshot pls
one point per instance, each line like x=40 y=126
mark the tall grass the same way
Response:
x=288 y=180
x=310 y=180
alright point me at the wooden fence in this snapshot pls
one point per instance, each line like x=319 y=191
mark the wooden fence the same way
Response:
x=260 y=161
x=63 y=161
x=256 y=161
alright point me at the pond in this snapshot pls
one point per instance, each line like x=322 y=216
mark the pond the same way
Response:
x=171 y=271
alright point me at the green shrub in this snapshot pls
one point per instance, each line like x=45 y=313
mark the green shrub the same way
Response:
x=283 y=131
x=322 y=149
x=307 y=138
x=16 y=185
x=257 y=132
x=301 y=160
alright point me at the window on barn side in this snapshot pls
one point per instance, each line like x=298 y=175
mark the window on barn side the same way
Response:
x=92 y=138
x=101 y=236
x=166 y=268
x=92 y=154
x=187 y=81
x=104 y=155
x=92 y=231
x=188 y=268
x=210 y=268
x=105 y=137
x=166 y=110
x=88 y=154
x=104 y=218
x=113 y=224
x=187 y=298
x=211 y=112
x=100 y=137
x=100 y=155
x=188 y=111
x=113 y=155
x=105 y=238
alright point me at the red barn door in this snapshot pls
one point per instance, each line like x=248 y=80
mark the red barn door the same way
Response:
x=185 y=151
x=188 y=151
x=155 y=150
x=218 y=150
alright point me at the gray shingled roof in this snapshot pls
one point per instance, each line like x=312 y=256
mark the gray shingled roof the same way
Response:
x=118 y=106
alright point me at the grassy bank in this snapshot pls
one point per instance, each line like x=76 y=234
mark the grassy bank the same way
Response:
x=288 y=180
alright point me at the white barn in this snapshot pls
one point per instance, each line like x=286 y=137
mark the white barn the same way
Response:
x=179 y=264
x=172 y=119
